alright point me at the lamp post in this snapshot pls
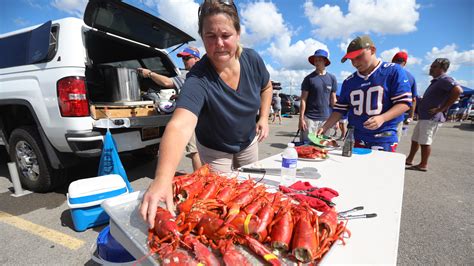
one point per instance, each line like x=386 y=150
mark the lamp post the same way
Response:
x=292 y=83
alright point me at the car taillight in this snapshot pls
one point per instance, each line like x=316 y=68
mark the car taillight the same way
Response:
x=72 y=97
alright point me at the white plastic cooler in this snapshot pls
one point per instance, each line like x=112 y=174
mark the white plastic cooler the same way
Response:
x=85 y=196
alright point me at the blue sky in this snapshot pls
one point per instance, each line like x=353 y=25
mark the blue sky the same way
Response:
x=286 y=32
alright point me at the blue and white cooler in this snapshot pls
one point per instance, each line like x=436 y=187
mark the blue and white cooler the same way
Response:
x=85 y=196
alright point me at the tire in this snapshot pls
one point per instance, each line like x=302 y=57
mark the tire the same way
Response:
x=148 y=153
x=32 y=163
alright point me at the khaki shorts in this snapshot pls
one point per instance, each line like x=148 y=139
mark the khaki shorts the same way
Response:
x=425 y=131
x=313 y=126
x=224 y=162
x=191 y=147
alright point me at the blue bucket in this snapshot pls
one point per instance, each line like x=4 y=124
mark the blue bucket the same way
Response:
x=110 y=250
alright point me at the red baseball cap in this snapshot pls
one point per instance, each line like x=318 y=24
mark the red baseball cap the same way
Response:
x=357 y=46
x=401 y=56
x=189 y=51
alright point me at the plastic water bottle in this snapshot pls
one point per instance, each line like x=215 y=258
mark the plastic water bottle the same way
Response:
x=348 y=143
x=288 y=165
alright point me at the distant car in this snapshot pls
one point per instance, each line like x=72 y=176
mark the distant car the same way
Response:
x=286 y=104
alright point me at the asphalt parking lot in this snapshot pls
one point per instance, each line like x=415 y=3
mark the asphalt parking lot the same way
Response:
x=437 y=225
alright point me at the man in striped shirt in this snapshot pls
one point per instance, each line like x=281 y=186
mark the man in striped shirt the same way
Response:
x=374 y=98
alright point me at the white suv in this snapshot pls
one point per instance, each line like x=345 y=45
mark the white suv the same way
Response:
x=59 y=90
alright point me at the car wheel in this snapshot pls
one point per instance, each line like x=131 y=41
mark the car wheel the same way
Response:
x=28 y=153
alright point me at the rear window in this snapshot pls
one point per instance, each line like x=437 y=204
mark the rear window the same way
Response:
x=157 y=65
x=35 y=46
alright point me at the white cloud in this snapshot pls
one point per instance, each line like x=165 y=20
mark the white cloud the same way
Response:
x=387 y=56
x=295 y=56
x=422 y=83
x=290 y=79
x=34 y=4
x=343 y=75
x=21 y=22
x=457 y=58
x=414 y=61
x=366 y=16
x=73 y=7
x=262 y=23
x=467 y=83
x=343 y=45
x=181 y=13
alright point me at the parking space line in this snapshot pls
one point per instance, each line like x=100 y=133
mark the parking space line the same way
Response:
x=41 y=231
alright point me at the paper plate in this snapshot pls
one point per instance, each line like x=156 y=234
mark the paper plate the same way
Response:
x=361 y=151
x=317 y=140
x=312 y=159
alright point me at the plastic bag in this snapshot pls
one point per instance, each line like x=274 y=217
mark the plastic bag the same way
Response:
x=110 y=161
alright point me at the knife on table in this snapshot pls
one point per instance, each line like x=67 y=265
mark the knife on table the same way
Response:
x=270 y=171
x=276 y=172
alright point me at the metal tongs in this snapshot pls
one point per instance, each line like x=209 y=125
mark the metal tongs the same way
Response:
x=344 y=214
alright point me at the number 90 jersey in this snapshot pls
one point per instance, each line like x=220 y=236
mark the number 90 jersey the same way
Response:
x=366 y=96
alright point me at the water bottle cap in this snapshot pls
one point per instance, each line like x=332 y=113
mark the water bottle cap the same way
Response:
x=291 y=145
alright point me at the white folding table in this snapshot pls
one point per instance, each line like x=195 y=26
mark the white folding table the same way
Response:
x=374 y=181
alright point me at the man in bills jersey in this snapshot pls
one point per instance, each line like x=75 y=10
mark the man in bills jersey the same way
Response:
x=374 y=98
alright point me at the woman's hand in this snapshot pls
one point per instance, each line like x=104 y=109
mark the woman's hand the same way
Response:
x=157 y=192
x=262 y=129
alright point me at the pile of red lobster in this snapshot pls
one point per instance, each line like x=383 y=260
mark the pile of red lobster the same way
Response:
x=311 y=152
x=218 y=212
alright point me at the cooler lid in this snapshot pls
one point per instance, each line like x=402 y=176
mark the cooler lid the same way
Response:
x=92 y=191
x=119 y=18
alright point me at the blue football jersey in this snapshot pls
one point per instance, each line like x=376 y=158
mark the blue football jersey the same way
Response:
x=365 y=96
